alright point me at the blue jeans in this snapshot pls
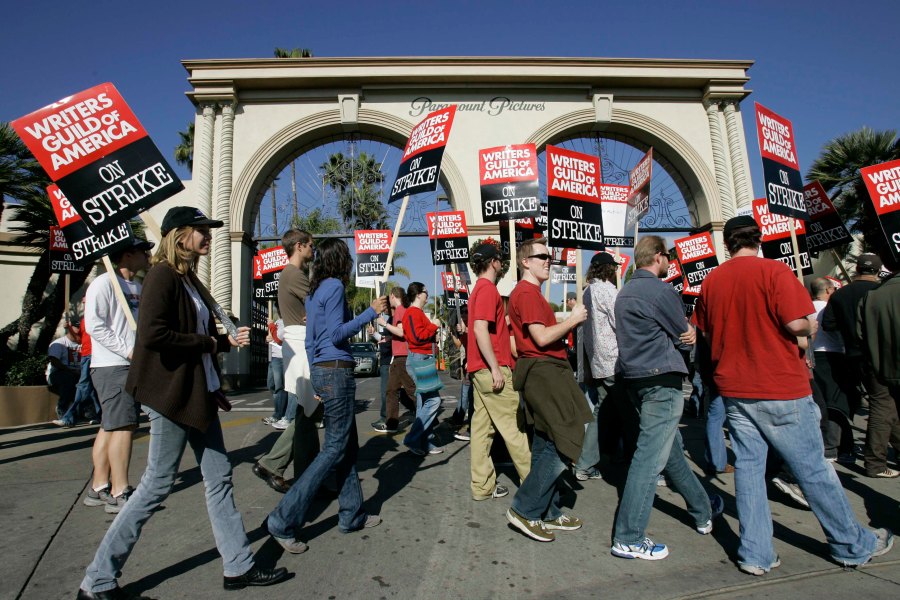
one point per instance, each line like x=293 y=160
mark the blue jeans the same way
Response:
x=590 y=448
x=337 y=388
x=697 y=392
x=716 y=453
x=421 y=433
x=538 y=496
x=292 y=403
x=275 y=383
x=167 y=442
x=792 y=429
x=659 y=449
x=84 y=390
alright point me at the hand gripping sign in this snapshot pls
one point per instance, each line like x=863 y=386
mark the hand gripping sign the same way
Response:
x=883 y=183
x=449 y=237
x=94 y=148
x=575 y=218
x=509 y=182
x=776 y=237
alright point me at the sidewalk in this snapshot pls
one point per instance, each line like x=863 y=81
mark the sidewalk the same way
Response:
x=435 y=541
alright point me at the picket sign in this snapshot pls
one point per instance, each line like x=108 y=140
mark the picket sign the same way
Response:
x=456 y=283
x=67 y=294
x=120 y=295
x=797 y=265
x=579 y=278
x=840 y=264
x=618 y=274
x=512 y=245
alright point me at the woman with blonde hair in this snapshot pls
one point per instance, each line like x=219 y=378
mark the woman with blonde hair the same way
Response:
x=175 y=376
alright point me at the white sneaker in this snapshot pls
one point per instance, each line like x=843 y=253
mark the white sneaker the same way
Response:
x=281 y=424
x=648 y=550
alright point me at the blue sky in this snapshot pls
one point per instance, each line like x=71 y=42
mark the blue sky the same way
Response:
x=829 y=67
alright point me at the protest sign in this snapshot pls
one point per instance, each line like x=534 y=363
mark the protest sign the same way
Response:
x=540 y=222
x=883 y=183
x=639 y=192
x=509 y=182
x=94 y=148
x=372 y=248
x=563 y=265
x=267 y=268
x=524 y=230
x=85 y=247
x=697 y=257
x=421 y=161
x=776 y=237
x=449 y=237
x=456 y=289
x=826 y=228
x=573 y=199
x=614 y=205
x=61 y=258
x=781 y=171
x=674 y=276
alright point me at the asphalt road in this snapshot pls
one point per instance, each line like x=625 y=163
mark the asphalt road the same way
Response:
x=435 y=542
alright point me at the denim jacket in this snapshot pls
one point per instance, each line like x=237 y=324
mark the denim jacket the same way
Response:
x=649 y=318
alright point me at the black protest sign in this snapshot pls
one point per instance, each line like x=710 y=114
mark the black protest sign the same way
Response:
x=826 y=228
x=563 y=265
x=421 y=162
x=61 y=259
x=523 y=230
x=267 y=267
x=883 y=183
x=96 y=151
x=540 y=221
x=639 y=191
x=509 y=182
x=781 y=171
x=573 y=199
x=86 y=247
x=776 y=237
x=372 y=249
x=456 y=288
x=697 y=257
x=449 y=237
x=674 y=276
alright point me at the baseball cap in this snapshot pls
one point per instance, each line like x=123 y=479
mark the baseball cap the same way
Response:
x=141 y=244
x=487 y=251
x=571 y=296
x=603 y=258
x=868 y=263
x=739 y=222
x=181 y=216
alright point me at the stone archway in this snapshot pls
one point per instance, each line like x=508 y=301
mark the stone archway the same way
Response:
x=253 y=115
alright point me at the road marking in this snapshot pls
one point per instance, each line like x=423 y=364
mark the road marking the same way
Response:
x=257 y=403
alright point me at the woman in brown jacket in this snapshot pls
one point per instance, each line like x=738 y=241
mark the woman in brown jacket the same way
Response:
x=174 y=375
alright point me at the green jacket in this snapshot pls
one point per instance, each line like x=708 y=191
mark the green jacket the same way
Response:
x=556 y=405
x=879 y=329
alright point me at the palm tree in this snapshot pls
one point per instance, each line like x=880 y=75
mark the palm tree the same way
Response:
x=355 y=181
x=315 y=222
x=184 y=151
x=837 y=169
x=294 y=53
x=20 y=174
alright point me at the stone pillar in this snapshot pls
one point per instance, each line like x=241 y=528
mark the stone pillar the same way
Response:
x=203 y=172
x=743 y=195
x=221 y=282
x=719 y=160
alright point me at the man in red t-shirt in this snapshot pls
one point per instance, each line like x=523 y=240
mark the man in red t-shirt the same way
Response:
x=489 y=362
x=398 y=378
x=751 y=311
x=555 y=403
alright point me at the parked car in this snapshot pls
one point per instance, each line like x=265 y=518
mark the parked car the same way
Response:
x=366 y=356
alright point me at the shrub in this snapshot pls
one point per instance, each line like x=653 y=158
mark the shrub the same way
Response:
x=24 y=369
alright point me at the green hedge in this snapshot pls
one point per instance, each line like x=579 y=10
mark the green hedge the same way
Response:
x=24 y=369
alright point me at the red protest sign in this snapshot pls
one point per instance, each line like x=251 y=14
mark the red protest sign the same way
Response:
x=61 y=259
x=84 y=245
x=509 y=182
x=574 y=215
x=421 y=160
x=573 y=175
x=639 y=192
x=776 y=234
x=272 y=259
x=372 y=249
x=614 y=205
x=826 y=228
x=448 y=235
x=776 y=137
x=883 y=183
x=697 y=257
x=781 y=171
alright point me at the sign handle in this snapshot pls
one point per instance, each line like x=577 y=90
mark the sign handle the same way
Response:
x=270 y=310
x=67 y=294
x=456 y=280
x=579 y=277
x=840 y=264
x=120 y=295
x=512 y=247
x=565 y=308
x=618 y=270
x=390 y=257
x=797 y=267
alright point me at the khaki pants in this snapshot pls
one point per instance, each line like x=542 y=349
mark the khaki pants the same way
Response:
x=495 y=412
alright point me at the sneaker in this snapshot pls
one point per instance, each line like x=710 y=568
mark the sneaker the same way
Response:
x=417 y=451
x=564 y=523
x=791 y=489
x=718 y=506
x=648 y=550
x=269 y=420
x=755 y=570
x=592 y=473
x=435 y=450
x=887 y=473
x=291 y=545
x=533 y=529
x=371 y=521
x=116 y=503
x=100 y=498
x=462 y=435
x=499 y=492
x=884 y=541
x=846 y=458
x=281 y=424
x=383 y=428
x=63 y=423
x=661 y=481
x=375 y=424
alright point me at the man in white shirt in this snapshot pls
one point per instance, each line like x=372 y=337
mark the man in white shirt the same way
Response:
x=64 y=368
x=113 y=343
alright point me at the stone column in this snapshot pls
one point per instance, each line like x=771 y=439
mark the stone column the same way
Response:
x=203 y=172
x=719 y=160
x=221 y=282
x=743 y=195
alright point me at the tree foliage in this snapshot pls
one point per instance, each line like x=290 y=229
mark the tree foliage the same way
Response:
x=293 y=53
x=356 y=181
x=184 y=151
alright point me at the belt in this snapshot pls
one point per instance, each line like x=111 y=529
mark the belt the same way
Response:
x=337 y=364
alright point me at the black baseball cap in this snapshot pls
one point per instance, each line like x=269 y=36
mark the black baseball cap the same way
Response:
x=603 y=258
x=181 y=216
x=487 y=251
x=740 y=222
x=868 y=263
x=141 y=244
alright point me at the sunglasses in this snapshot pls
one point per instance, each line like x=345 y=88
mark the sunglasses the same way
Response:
x=540 y=257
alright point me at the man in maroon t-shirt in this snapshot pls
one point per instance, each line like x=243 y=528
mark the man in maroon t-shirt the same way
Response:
x=555 y=403
x=490 y=362
x=752 y=310
x=398 y=379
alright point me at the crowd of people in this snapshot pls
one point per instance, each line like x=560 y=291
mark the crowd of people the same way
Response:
x=785 y=372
